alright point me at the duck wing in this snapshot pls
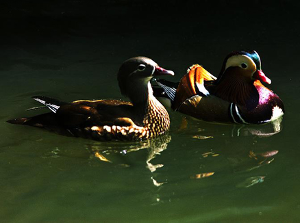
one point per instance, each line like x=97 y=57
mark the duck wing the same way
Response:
x=197 y=81
x=80 y=114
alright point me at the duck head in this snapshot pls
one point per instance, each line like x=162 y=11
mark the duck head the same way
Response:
x=246 y=64
x=239 y=71
x=134 y=76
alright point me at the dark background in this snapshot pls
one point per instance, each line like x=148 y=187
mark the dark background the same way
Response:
x=170 y=32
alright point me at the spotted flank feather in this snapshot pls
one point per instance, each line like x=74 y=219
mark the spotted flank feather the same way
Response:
x=155 y=123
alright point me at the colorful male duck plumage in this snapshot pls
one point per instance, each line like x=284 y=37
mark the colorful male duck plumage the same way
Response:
x=237 y=95
x=144 y=117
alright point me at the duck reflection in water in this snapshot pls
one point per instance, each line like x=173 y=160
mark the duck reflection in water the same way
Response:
x=117 y=153
x=207 y=130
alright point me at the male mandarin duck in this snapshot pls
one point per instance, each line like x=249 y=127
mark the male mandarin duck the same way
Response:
x=237 y=95
x=144 y=117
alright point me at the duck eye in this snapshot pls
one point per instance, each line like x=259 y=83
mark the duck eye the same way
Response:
x=244 y=65
x=141 y=67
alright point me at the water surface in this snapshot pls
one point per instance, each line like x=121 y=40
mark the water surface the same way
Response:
x=202 y=172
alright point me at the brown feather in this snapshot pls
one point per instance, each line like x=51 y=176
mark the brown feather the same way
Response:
x=234 y=88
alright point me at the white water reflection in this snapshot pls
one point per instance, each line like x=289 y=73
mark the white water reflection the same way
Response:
x=249 y=182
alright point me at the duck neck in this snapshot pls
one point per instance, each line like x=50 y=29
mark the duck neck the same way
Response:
x=235 y=89
x=153 y=114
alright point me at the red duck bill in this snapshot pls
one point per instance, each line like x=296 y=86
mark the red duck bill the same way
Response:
x=259 y=75
x=159 y=71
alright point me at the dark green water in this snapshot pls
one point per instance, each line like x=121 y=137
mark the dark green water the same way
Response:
x=202 y=173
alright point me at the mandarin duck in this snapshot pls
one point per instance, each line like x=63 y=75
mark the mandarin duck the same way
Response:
x=237 y=95
x=144 y=117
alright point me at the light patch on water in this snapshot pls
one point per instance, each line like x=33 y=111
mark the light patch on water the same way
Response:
x=227 y=213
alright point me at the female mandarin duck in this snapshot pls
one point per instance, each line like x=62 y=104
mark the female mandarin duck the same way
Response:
x=237 y=95
x=143 y=118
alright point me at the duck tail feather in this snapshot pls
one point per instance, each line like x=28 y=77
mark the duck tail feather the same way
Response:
x=52 y=104
x=169 y=88
x=18 y=121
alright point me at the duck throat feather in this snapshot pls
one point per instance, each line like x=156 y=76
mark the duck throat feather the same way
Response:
x=237 y=89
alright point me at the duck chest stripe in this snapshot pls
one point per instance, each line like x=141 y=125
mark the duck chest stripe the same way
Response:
x=235 y=114
x=231 y=113
x=239 y=115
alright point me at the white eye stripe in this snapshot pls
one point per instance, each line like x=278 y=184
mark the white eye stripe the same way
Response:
x=238 y=60
x=141 y=67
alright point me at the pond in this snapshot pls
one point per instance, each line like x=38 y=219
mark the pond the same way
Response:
x=198 y=172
